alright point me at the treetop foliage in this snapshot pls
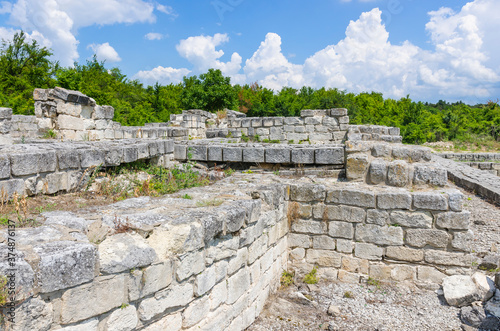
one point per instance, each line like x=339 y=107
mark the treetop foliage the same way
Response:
x=26 y=65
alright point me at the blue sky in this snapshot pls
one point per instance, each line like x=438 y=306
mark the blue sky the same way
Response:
x=430 y=50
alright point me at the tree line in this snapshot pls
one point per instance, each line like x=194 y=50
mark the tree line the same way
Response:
x=26 y=65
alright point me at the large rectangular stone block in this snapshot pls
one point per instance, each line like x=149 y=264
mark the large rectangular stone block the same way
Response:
x=66 y=122
x=173 y=296
x=341 y=230
x=232 y=154
x=68 y=159
x=352 y=197
x=237 y=284
x=430 y=200
x=307 y=192
x=64 y=264
x=11 y=186
x=303 y=155
x=389 y=200
x=4 y=167
x=412 y=219
x=380 y=235
x=198 y=152
x=324 y=258
x=404 y=254
x=333 y=155
x=449 y=258
x=214 y=153
x=422 y=237
x=344 y=213
x=278 y=155
x=91 y=157
x=453 y=220
x=254 y=154
x=368 y=251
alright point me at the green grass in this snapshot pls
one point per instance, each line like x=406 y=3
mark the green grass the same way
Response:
x=311 y=278
x=286 y=278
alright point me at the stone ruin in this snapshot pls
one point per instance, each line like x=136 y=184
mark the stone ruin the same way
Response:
x=383 y=210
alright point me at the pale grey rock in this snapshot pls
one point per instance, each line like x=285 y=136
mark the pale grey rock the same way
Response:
x=368 y=251
x=150 y=280
x=485 y=285
x=380 y=235
x=277 y=155
x=412 y=219
x=330 y=155
x=307 y=192
x=460 y=290
x=341 y=230
x=32 y=314
x=430 y=200
x=4 y=167
x=453 y=220
x=214 y=153
x=173 y=296
x=303 y=156
x=352 y=197
x=23 y=273
x=398 y=173
x=123 y=252
x=237 y=285
x=378 y=217
x=422 y=237
x=396 y=200
x=232 y=154
x=64 y=264
x=122 y=319
x=67 y=219
x=378 y=171
x=424 y=174
x=254 y=154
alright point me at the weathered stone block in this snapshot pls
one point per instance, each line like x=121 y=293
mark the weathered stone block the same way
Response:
x=333 y=155
x=124 y=252
x=430 y=200
x=5 y=113
x=106 y=292
x=429 y=274
x=4 y=167
x=422 y=237
x=323 y=242
x=278 y=155
x=237 y=284
x=195 y=312
x=463 y=241
x=368 y=251
x=324 y=258
x=352 y=197
x=303 y=156
x=198 y=152
x=232 y=154
x=449 y=258
x=180 y=152
x=377 y=172
x=12 y=186
x=173 y=296
x=344 y=213
x=253 y=155
x=404 y=254
x=341 y=230
x=150 y=280
x=91 y=157
x=387 y=235
x=424 y=174
x=122 y=319
x=394 y=200
x=298 y=240
x=453 y=220
x=64 y=264
x=412 y=219
x=189 y=264
x=398 y=173
x=214 y=153
x=460 y=290
x=455 y=200
x=103 y=113
x=66 y=122
x=357 y=166
x=68 y=108
x=308 y=226
x=307 y=192
x=378 y=217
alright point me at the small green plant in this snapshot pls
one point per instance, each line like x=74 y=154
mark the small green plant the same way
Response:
x=469 y=198
x=256 y=138
x=373 y=282
x=4 y=220
x=229 y=134
x=124 y=305
x=4 y=290
x=266 y=141
x=275 y=141
x=187 y=196
x=276 y=172
x=311 y=278
x=50 y=134
x=244 y=138
x=23 y=140
x=291 y=141
x=228 y=172
x=396 y=225
x=248 y=171
x=348 y=295
x=286 y=278
x=47 y=207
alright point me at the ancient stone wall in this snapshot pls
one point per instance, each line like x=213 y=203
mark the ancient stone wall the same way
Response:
x=354 y=230
x=191 y=268
x=48 y=168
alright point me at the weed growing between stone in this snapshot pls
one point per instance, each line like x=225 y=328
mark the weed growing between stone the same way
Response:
x=286 y=278
x=311 y=278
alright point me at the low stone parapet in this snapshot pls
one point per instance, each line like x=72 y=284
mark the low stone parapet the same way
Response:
x=48 y=168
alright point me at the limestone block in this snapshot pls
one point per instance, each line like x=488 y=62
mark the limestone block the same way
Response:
x=87 y=112
x=68 y=108
x=343 y=120
x=430 y=200
x=368 y=251
x=64 y=264
x=307 y=192
x=221 y=248
x=180 y=152
x=341 y=230
x=142 y=151
x=4 y=167
x=377 y=172
x=344 y=213
x=276 y=133
x=462 y=241
x=91 y=157
x=91 y=324
x=68 y=159
x=32 y=163
x=173 y=296
x=130 y=154
x=398 y=173
x=253 y=155
x=380 y=271
x=256 y=122
x=237 y=284
x=380 y=235
x=422 y=237
x=378 y=217
x=324 y=258
x=453 y=220
x=232 y=154
x=403 y=272
x=56 y=182
x=298 y=240
x=124 y=252
x=485 y=285
x=45 y=124
x=189 y=264
x=66 y=122
x=277 y=155
x=352 y=264
x=23 y=273
x=214 y=153
x=460 y=290
x=293 y=121
x=257 y=248
x=238 y=261
x=424 y=174
x=169 y=146
x=195 y=312
x=348 y=277
x=429 y=274
x=104 y=293
x=32 y=314
x=394 y=200
x=122 y=319
x=449 y=258
x=323 y=242
x=351 y=197
x=337 y=112
x=113 y=156
x=298 y=253
x=303 y=156
x=5 y=113
x=455 y=200
x=382 y=150
x=323 y=137
x=344 y=246
x=412 y=219
x=404 y=254
x=89 y=124
x=12 y=186
x=309 y=226
x=103 y=113
x=218 y=295
x=329 y=155
x=357 y=166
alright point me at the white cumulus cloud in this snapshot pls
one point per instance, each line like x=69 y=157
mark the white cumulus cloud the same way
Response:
x=105 y=52
x=57 y=21
x=162 y=75
x=154 y=36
